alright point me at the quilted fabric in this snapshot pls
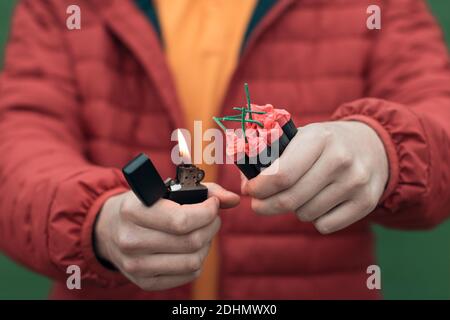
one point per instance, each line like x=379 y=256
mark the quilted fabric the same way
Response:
x=77 y=105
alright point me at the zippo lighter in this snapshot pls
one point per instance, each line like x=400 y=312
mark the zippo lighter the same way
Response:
x=149 y=187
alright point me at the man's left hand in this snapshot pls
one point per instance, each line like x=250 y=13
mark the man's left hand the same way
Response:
x=332 y=174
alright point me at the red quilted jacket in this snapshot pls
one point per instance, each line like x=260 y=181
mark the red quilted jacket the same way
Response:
x=77 y=105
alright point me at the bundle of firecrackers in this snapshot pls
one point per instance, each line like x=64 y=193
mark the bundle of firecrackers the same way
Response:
x=264 y=134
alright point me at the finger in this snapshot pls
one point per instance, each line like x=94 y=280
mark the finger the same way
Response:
x=330 y=197
x=244 y=181
x=167 y=282
x=340 y=217
x=300 y=155
x=165 y=264
x=226 y=198
x=170 y=217
x=309 y=185
x=141 y=240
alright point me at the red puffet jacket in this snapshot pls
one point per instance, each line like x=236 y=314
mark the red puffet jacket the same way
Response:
x=75 y=106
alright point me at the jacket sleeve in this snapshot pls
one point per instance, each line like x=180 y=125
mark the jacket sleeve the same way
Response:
x=408 y=105
x=49 y=192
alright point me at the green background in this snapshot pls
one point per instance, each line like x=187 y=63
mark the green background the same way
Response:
x=415 y=265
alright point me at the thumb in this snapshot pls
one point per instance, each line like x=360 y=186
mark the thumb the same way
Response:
x=244 y=181
x=226 y=198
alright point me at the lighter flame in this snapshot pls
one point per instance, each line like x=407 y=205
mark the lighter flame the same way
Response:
x=183 y=148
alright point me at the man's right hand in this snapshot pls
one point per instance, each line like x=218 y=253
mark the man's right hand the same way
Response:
x=162 y=246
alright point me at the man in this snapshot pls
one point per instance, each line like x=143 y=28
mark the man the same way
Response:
x=374 y=106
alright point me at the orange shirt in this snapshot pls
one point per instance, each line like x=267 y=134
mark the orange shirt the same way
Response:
x=202 y=39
